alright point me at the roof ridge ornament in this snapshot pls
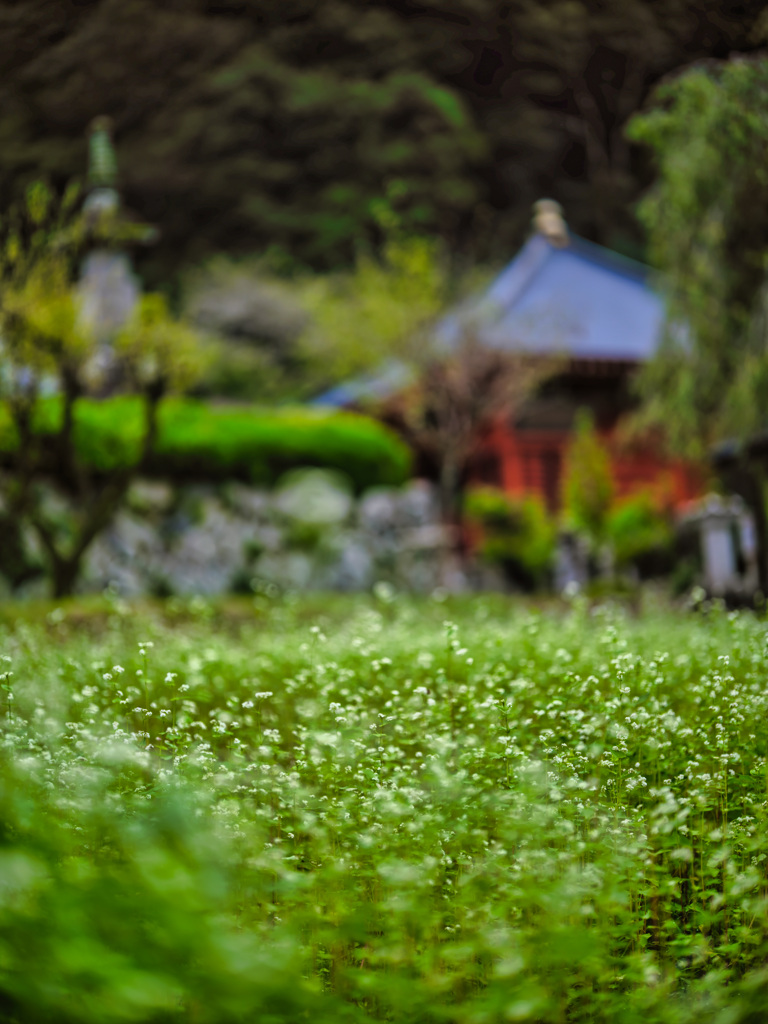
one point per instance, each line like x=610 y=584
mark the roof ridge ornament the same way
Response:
x=548 y=221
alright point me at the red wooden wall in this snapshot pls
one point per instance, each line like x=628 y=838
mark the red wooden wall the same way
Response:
x=525 y=462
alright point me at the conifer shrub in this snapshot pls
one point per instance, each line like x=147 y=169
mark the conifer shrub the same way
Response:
x=588 y=485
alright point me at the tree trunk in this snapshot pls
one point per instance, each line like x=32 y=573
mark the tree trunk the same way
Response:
x=64 y=576
x=66 y=569
x=449 y=490
x=755 y=501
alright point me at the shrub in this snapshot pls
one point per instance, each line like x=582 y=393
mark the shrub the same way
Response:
x=198 y=440
x=639 y=532
x=517 y=533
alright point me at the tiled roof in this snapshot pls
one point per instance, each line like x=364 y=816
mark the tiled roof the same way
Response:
x=578 y=300
x=388 y=380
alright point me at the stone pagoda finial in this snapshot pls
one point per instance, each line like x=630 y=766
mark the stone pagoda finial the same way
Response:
x=102 y=165
x=109 y=290
x=103 y=197
x=548 y=221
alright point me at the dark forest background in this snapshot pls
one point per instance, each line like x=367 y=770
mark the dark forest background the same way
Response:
x=301 y=128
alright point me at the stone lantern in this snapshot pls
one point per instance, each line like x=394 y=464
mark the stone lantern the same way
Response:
x=728 y=545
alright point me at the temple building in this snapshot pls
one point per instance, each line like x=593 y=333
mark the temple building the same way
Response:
x=595 y=314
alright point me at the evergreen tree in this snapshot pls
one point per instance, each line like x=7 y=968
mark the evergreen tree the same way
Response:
x=588 y=483
x=295 y=125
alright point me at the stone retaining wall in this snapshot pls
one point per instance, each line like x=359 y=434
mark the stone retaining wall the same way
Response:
x=308 y=534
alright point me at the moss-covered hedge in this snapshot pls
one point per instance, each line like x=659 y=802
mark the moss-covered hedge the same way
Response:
x=213 y=442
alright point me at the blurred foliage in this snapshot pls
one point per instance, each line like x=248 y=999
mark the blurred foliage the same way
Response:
x=254 y=322
x=198 y=440
x=588 y=487
x=516 y=533
x=241 y=372
x=244 y=300
x=708 y=227
x=378 y=310
x=261 y=445
x=637 y=529
x=155 y=350
x=358 y=811
x=74 y=948
x=43 y=333
x=49 y=348
x=290 y=339
x=299 y=126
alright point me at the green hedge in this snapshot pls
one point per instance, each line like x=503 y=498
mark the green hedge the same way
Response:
x=214 y=442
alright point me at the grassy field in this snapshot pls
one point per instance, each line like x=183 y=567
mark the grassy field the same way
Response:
x=349 y=810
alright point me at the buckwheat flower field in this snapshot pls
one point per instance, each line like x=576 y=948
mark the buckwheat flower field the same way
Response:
x=463 y=811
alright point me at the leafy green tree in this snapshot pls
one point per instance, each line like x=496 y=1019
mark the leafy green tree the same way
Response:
x=51 y=359
x=708 y=227
x=708 y=230
x=292 y=339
